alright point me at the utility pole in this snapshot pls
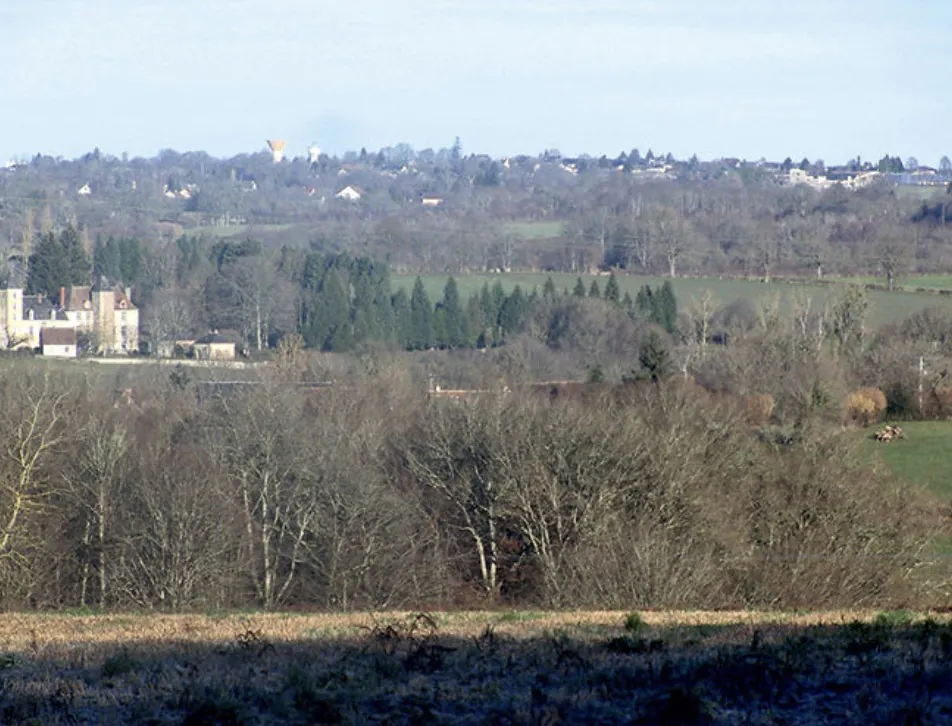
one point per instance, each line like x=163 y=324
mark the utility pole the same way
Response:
x=922 y=373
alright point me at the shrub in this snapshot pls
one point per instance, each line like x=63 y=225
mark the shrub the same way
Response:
x=865 y=406
x=634 y=623
x=758 y=408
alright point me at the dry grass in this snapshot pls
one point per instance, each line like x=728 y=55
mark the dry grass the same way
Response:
x=476 y=667
x=21 y=631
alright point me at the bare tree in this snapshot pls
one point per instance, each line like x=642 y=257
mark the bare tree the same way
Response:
x=94 y=483
x=456 y=456
x=261 y=448
x=30 y=432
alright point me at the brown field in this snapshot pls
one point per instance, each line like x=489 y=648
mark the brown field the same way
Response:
x=17 y=631
x=480 y=667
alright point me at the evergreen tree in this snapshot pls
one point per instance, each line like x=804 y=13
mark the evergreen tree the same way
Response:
x=455 y=333
x=106 y=259
x=644 y=305
x=513 y=311
x=421 y=318
x=57 y=262
x=667 y=307
x=612 y=290
x=383 y=312
x=498 y=296
x=361 y=306
x=130 y=261
x=594 y=291
x=628 y=303
x=475 y=324
x=654 y=357
x=548 y=290
x=579 y=290
x=329 y=326
x=402 y=326
x=47 y=268
x=77 y=261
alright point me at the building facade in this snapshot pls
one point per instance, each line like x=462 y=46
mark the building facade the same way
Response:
x=103 y=312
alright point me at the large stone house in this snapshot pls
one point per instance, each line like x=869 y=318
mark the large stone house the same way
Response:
x=103 y=312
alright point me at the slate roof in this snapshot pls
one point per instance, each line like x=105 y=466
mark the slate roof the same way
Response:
x=44 y=308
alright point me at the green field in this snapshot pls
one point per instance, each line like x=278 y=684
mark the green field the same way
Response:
x=913 y=282
x=924 y=457
x=885 y=307
x=534 y=230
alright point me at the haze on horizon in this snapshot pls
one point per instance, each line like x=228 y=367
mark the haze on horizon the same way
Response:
x=746 y=78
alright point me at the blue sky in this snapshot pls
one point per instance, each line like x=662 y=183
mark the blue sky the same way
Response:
x=827 y=79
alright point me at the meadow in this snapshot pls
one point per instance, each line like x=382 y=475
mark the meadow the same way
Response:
x=477 y=668
x=885 y=307
x=534 y=230
x=923 y=457
x=907 y=282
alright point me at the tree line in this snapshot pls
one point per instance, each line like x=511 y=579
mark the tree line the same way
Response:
x=721 y=216
x=371 y=494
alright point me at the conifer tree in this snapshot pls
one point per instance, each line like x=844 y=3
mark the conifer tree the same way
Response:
x=594 y=291
x=57 y=261
x=548 y=290
x=667 y=307
x=329 y=327
x=455 y=333
x=644 y=305
x=513 y=311
x=612 y=290
x=421 y=318
x=654 y=357
x=402 y=327
x=579 y=290
x=475 y=324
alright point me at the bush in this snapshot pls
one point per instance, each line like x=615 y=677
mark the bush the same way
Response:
x=758 y=408
x=865 y=406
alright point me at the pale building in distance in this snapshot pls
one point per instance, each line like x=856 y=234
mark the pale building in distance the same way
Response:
x=103 y=311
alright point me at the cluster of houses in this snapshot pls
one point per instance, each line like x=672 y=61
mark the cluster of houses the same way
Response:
x=100 y=318
x=858 y=178
x=102 y=313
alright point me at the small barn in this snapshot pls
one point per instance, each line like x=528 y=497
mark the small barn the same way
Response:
x=214 y=346
x=58 y=342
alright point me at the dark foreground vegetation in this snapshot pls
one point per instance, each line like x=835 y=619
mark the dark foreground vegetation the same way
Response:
x=420 y=669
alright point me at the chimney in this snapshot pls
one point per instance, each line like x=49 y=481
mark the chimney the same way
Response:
x=62 y=297
x=129 y=294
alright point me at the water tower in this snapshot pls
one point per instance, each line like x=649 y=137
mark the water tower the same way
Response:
x=277 y=149
x=314 y=153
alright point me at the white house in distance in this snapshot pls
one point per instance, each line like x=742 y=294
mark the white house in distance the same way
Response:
x=350 y=193
x=431 y=200
x=214 y=346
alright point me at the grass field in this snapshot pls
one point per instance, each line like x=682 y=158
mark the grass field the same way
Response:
x=909 y=282
x=476 y=668
x=884 y=306
x=534 y=230
x=923 y=457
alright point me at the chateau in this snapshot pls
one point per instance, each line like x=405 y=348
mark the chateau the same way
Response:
x=104 y=312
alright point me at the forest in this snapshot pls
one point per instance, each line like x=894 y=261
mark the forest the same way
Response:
x=131 y=492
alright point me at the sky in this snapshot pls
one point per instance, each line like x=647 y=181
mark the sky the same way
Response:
x=823 y=79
